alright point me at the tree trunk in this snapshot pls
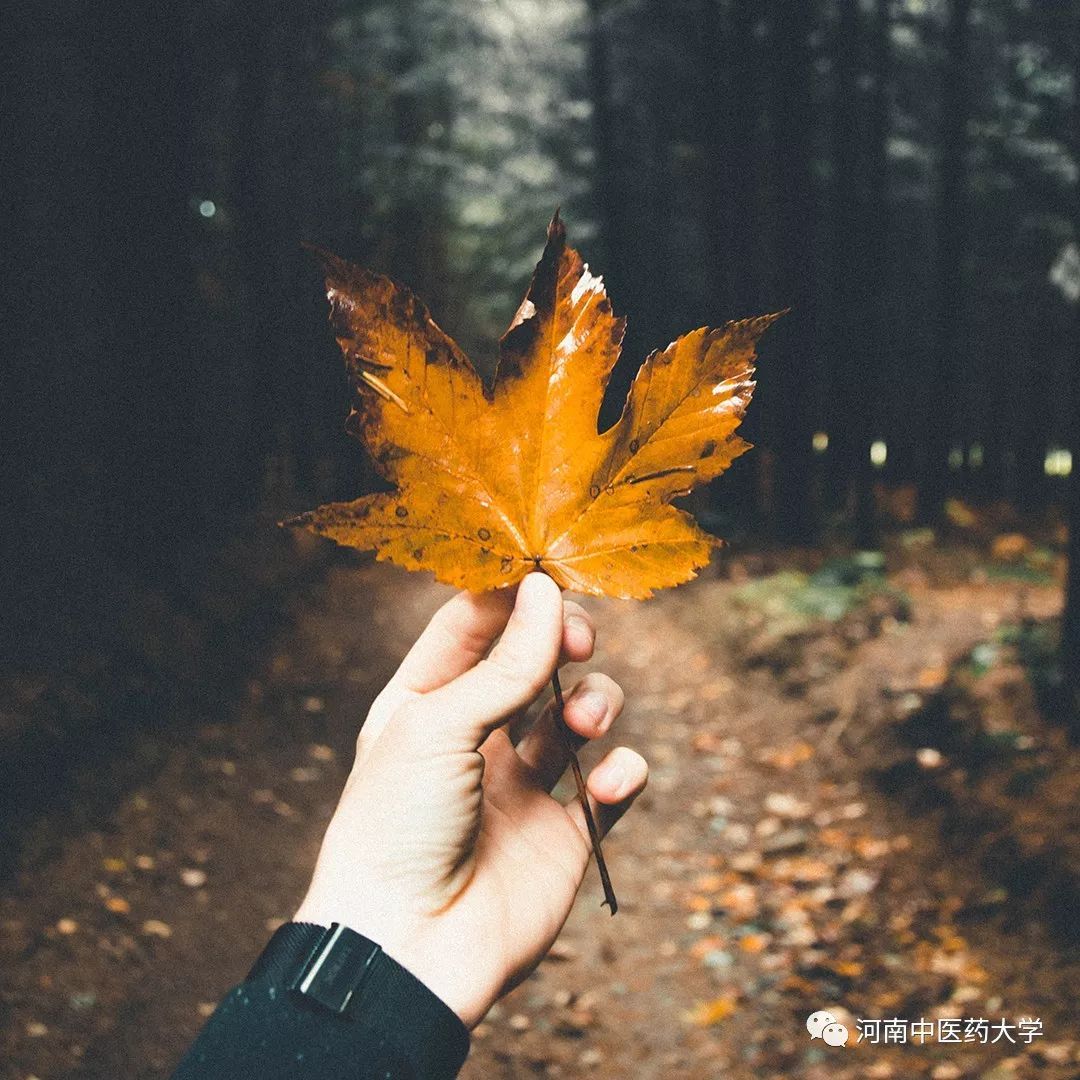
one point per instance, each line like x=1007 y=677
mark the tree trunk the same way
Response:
x=610 y=196
x=724 y=113
x=155 y=498
x=1070 y=630
x=727 y=116
x=849 y=438
x=792 y=344
x=623 y=181
x=952 y=235
x=876 y=251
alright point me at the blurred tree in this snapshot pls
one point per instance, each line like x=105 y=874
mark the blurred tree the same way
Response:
x=726 y=118
x=860 y=198
x=952 y=233
x=794 y=342
x=877 y=356
x=1070 y=635
x=633 y=172
x=607 y=179
x=721 y=118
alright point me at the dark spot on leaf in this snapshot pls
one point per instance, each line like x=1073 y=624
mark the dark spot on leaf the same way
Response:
x=483 y=534
x=635 y=446
x=418 y=554
x=594 y=492
x=708 y=448
x=401 y=512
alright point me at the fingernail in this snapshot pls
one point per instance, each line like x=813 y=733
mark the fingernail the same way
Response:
x=579 y=626
x=593 y=704
x=614 y=777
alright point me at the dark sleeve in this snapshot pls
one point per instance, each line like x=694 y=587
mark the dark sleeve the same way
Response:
x=395 y=1028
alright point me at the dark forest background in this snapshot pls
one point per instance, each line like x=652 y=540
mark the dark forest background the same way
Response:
x=901 y=173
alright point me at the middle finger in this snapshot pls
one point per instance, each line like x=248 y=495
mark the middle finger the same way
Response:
x=590 y=709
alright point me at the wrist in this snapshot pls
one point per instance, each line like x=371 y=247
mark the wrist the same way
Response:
x=348 y=979
x=418 y=949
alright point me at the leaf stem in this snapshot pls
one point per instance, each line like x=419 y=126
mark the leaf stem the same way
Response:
x=583 y=796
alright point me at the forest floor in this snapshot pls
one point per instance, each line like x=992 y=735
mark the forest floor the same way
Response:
x=854 y=805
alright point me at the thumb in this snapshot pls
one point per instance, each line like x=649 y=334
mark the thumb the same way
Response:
x=461 y=714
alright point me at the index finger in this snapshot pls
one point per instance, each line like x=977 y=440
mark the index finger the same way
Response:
x=457 y=638
x=460 y=634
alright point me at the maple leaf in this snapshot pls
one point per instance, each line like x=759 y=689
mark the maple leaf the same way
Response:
x=494 y=482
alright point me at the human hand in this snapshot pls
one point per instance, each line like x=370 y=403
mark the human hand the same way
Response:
x=446 y=847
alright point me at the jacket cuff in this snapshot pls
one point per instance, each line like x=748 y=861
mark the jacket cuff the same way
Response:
x=394 y=1027
x=391 y=1001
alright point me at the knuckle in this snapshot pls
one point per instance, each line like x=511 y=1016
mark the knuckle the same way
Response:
x=454 y=627
x=408 y=716
x=519 y=673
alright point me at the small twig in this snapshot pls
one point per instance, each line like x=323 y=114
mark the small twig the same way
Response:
x=583 y=795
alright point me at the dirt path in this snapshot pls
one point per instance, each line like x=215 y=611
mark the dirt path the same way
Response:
x=763 y=875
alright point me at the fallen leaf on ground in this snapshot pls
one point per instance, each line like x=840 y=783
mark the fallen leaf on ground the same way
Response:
x=707 y=1013
x=787 y=757
x=753 y=943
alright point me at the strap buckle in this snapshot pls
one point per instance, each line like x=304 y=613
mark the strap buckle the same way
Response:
x=335 y=968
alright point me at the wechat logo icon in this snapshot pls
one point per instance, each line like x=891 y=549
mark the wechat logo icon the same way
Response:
x=823 y=1025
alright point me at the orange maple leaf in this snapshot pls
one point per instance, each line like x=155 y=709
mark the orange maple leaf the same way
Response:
x=493 y=482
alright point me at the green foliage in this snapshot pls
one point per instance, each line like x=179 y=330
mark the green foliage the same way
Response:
x=1034 y=567
x=1037 y=647
x=1022 y=571
x=840 y=587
